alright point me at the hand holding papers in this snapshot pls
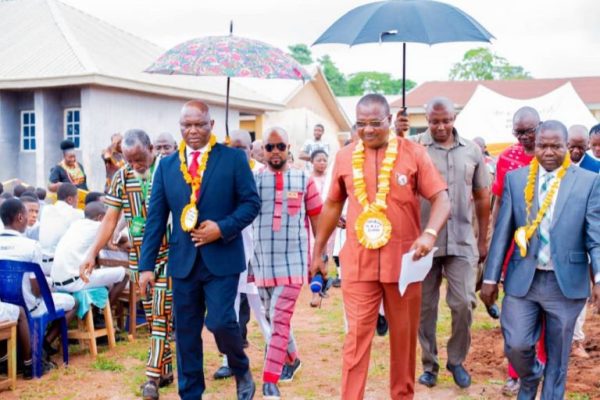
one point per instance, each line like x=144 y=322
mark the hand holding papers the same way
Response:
x=414 y=271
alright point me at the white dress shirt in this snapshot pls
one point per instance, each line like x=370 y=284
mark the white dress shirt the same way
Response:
x=54 y=222
x=72 y=249
x=188 y=153
x=16 y=247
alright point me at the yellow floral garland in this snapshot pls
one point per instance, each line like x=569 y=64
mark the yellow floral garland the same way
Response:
x=373 y=212
x=524 y=233
x=252 y=164
x=196 y=181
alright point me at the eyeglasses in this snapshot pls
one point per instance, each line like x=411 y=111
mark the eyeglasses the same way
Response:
x=372 y=124
x=280 y=146
x=523 y=132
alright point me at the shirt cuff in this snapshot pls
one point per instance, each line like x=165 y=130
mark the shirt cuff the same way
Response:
x=490 y=282
x=597 y=278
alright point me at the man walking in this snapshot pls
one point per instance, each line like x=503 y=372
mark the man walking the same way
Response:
x=210 y=191
x=383 y=178
x=461 y=164
x=548 y=274
x=280 y=264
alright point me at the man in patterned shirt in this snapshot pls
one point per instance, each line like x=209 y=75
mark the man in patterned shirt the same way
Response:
x=288 y=198
x=130 y=193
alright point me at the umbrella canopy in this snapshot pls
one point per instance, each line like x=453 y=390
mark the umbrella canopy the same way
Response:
x=230 y=56
x=416 y=21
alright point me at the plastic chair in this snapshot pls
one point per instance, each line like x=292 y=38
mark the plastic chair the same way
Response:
x=11 y=284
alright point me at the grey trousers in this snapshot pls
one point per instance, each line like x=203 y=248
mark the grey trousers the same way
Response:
x=460 y=272
x=521 y=328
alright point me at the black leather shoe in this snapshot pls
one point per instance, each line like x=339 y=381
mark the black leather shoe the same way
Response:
x=428 y=379
x=271 y=391
x=150 y=391
x=493 y=311
x=382 y=325
x=223 y=373
x=165 y=380
x=245 y=386
x=460 y=375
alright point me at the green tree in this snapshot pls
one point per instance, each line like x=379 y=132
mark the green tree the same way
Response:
x=375 y=82
x=482 y=64
x=301 y=53
x=335 y=77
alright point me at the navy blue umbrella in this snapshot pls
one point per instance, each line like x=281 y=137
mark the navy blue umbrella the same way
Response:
x=415 y=21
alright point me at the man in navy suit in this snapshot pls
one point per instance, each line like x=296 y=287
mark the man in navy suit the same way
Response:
x=578 y=146
x=204 y=263
x=553 y=279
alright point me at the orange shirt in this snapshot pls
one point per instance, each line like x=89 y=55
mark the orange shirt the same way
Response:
x=413 y=175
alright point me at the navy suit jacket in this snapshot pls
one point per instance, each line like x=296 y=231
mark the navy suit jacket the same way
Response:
x=228 y=196
x=589 y=163
x=574 y=233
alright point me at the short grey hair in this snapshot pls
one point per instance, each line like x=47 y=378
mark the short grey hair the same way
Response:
x=525 y=112
x=440 y=103
x=553 y=125
x=135 y=137
x=243 y=136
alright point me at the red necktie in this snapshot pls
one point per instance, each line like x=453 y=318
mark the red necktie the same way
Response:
x=193 y=168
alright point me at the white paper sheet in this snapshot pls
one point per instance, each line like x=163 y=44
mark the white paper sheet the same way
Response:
x=414 y=271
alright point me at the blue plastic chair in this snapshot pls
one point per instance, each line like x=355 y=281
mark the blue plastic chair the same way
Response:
x=11 y=284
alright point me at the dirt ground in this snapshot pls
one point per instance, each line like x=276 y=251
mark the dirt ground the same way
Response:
x=117 y=374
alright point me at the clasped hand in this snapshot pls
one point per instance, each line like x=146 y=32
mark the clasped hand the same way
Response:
x=206 y=233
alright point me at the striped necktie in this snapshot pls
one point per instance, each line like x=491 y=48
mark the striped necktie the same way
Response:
x=544 y=252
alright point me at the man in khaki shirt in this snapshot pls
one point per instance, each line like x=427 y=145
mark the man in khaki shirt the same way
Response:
x=461 y=164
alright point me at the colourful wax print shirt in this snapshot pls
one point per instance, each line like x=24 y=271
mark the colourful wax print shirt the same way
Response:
x=288 y=198
x=132 y=195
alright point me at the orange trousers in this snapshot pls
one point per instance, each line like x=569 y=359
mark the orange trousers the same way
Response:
x=361 y=304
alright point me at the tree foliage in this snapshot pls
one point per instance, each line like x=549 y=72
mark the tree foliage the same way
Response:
x=335 y=77
x=482 y=64
x=301 y=53
x=375 y=82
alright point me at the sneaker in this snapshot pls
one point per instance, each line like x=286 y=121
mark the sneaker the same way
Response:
x=290 y=370
x=577 y=350
x=270 y=391
x=511 y=387
x=382 y=325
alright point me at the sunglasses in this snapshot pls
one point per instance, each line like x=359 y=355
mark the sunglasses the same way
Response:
x=280 y=146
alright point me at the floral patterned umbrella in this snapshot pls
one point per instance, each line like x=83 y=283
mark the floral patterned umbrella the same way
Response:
x=230 y=56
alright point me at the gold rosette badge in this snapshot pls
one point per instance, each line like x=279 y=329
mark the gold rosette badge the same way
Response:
x=524 y=233
x=373 y=228
x=189 y=214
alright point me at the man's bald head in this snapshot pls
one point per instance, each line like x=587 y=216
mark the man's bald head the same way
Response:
x=197 y=105
x=528 y=113
x=278 y=131
x=164 y=144
x=440 y=103
x=578 y=142
x=95 y=211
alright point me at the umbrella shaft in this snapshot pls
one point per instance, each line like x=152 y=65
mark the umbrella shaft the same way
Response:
x=404 y=76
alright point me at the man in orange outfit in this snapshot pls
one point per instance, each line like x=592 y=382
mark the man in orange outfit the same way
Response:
x=371 y=274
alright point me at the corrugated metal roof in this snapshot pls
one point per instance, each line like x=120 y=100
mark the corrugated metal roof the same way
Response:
x=50 y=40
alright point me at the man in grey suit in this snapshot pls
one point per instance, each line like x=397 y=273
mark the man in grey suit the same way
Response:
x=552 y=280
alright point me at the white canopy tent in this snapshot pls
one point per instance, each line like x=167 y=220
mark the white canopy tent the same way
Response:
x=488 y=114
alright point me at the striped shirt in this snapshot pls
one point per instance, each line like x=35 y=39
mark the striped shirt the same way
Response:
x=280 y=229
x=126 y=193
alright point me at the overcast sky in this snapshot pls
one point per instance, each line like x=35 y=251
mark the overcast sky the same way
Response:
x=548 y=38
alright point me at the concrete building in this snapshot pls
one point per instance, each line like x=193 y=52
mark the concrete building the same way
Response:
x=66 y=74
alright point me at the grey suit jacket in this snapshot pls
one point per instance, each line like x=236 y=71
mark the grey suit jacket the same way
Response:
x=574 y=233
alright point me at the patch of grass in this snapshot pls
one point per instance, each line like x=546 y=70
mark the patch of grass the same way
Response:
x=106 y=364
x=140 y=354
x=578 y=396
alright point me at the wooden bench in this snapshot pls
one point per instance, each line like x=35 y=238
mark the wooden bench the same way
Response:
x=8 y=332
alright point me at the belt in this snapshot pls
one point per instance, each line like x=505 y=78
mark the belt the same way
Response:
x=68 y=281
x=36 y=306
